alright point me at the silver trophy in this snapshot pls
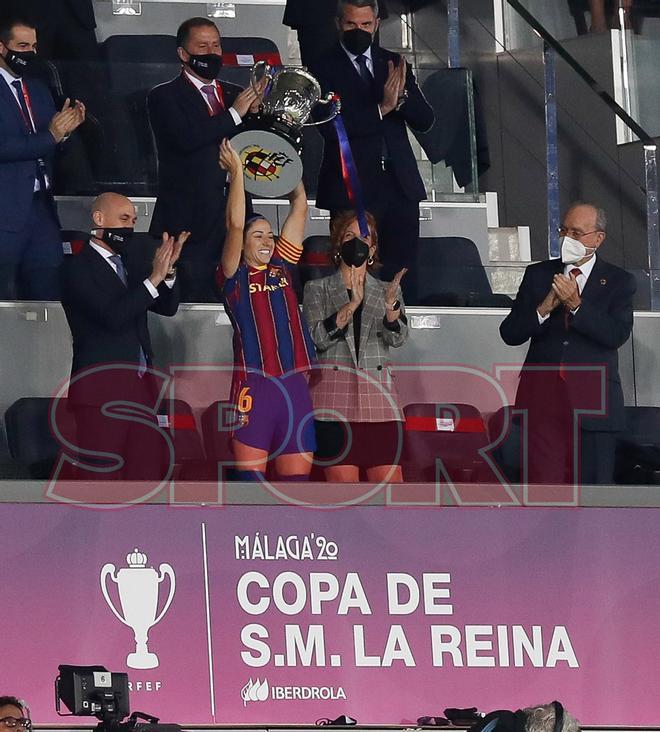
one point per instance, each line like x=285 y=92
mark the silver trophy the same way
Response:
x=138 y=593
x=270 y=147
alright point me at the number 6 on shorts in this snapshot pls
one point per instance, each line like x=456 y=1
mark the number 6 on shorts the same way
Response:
x=244 y=403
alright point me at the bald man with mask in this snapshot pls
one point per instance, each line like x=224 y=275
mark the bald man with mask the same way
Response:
x=106 y=307
x=576 y=312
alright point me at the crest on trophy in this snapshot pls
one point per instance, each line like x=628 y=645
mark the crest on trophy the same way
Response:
x=271 y=145
x=139 y=587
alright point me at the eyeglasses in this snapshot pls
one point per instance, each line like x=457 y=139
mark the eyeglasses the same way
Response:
x=575 y=233
x=21 y=722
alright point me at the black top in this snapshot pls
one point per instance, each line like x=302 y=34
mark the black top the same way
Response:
x=357 y=324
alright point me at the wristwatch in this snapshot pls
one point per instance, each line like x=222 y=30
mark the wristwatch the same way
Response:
x=396 y=305
x=171 y=274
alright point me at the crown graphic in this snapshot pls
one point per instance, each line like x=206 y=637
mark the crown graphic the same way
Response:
x=136 y=559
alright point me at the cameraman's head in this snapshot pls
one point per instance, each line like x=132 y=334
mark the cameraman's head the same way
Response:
x=13 y=715
x=540 y=718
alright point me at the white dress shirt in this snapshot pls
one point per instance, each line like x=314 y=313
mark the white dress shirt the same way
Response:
x=146 y=282
x=199 y=84
x=581 y=279
x=366 y=54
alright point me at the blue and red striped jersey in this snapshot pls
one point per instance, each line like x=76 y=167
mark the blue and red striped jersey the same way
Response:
x=270 y=334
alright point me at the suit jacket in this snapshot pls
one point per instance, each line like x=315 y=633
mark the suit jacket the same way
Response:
x=108 y=320
x=361 y=389
x=190 y=181
x=84 y=11
x=595 y=333
x=368 y=134
x=20 y=150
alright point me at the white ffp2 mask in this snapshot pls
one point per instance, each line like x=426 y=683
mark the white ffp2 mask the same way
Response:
x=573 y=251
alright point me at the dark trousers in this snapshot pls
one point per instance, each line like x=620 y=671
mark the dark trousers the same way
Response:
x=397 y=222
x=557 y=453
x=114 y=436
x=598 y=450
x=30 y=258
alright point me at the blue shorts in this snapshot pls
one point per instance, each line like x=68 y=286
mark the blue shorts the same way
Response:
x=275 y=414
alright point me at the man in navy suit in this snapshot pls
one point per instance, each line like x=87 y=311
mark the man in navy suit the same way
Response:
x=316 y=27
x=30 y=130
x=106 y=306
x=380 y=97
x=190 y=116
x=576 y=312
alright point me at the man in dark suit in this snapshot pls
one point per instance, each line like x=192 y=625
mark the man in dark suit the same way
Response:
x=576 y=312
x=316 y=27
x=190 y=116
x=30 y=130
x=379 y=98
x=106 y=307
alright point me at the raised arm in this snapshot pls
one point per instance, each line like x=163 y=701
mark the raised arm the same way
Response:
x=294 y=226
x=235 y=215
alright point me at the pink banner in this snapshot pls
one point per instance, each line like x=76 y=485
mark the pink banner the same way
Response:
x=282 y=615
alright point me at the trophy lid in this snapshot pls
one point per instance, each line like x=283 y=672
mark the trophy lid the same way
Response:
x=136 y=559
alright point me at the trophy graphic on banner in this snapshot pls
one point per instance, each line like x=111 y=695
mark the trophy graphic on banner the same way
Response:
x=270 y=148
x=138 y=593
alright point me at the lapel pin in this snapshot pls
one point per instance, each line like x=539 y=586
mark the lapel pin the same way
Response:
x=603 y=282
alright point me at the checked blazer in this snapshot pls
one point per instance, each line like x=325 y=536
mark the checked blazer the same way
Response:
x=344 y=386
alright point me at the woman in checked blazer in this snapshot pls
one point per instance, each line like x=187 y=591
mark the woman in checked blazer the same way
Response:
x=354 y=320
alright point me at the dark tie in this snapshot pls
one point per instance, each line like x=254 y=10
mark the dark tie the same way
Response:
x=121 y=270
x=23 y=104
x=363 y=70
x=214 y=103
x=574 y=273
x=121 y=273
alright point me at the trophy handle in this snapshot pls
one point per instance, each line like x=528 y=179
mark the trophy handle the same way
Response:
x=109 y=569
x=266 y=73
x=166 y=571
x=332 y=99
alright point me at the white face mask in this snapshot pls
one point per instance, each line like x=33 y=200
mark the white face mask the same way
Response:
x=573 y=251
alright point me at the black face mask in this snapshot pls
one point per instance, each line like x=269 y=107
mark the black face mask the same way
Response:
x=22 y=62
x=117 y=238
x=206 y=65
x=355 y=252
x=356 y=40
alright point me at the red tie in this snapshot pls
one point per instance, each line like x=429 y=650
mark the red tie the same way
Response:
x=216 y=105
x=574 y=273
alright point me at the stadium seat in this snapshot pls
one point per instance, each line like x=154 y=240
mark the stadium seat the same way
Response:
x=508 y=453
x=452 y=433
x=73 y=241
x=638 y=449
x=139 y=62
x=315 y=261
x=30 y=439
x=244 y=47
x=450 y=273
x=176 y=416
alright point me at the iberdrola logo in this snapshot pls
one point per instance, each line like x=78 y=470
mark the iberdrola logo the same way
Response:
x=254 y=691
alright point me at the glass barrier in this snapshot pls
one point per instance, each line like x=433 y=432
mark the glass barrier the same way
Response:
x=639 y=45
x=115 y=148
